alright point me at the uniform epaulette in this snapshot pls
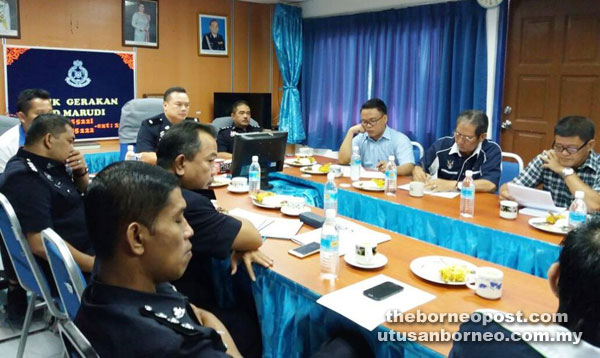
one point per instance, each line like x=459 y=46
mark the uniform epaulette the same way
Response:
x=31 y=166
x=155 y=121
x=172 y=322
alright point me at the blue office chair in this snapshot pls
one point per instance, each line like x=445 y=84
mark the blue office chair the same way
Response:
x=74 y=342
x=510 y=169
x=30 y=276
x=418 y=151
x=132 y=114
x=67 y=274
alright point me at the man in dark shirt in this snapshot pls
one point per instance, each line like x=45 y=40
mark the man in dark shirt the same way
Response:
x=213 y=41
x=240 y=114
x=189 y=150
x=446 y=161
x=176 y=106
x=141 y=237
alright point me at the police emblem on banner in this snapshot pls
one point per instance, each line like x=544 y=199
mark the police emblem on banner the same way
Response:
x=77 y=75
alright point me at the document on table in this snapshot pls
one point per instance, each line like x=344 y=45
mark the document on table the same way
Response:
x=441 y=194
x=533 y=198
x=268 y=226
x=349 y=232
x=351 y=303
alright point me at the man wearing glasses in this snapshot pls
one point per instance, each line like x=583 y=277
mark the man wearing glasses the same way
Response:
x=570 y=165
x=376 y=141
x=446 y=161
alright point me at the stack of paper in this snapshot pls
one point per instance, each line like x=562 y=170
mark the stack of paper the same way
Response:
x=536 y=202
x=350 y=233
x=270 y=226
x=354 y=305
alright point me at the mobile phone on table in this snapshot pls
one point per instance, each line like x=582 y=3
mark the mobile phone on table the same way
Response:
x=383 y=291
x=305 y=250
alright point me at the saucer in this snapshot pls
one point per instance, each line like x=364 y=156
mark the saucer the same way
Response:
x=289 y=212
x=379 y=260
x=242 y=189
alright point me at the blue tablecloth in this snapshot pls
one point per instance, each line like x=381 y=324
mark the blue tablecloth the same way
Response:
x=98 y=161
x=518 y=252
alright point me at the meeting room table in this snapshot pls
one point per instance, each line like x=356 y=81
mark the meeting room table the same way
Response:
x=294 y=325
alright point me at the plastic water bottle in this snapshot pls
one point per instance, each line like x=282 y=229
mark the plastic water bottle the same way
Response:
x=391 y=176
x=355 y=164
x=254 y=176
x=330 y=247
x=577 y=210
x=131 y=155
x=330 y=194
x=467 y=196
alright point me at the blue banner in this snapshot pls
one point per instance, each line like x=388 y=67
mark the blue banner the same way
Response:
x=88 y=87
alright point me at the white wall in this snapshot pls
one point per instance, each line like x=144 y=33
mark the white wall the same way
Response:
x=322 y=8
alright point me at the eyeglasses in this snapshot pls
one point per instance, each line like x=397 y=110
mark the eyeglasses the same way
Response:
x=466 y=138
x=371 y=122
x=571 y=149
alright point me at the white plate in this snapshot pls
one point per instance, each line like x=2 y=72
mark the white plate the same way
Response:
x=541 y=224
x=293 y=162
x=428 y=268
x=243 y=189
x=290 y=212
x=379 y=260
x=367 y=185
x=219 y=181
x=313 y=169
x=272 y=202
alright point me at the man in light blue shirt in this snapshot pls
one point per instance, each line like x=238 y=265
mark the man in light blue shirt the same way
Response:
x=376 y=141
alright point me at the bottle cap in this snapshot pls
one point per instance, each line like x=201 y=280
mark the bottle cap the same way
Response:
x=469 y=173
x=254 y=158
x=355 y=148
x=391 y=158
x=579 y=194
x=330 y=214
x=130 y=148
x=330 y=176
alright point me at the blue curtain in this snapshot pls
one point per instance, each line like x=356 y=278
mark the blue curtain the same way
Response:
x=427 y=63
x=500 y=69
x=287 y=36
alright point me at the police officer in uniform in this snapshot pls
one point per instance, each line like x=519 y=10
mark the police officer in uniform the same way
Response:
x=176 y=106
x=137 y=227
x=44 y=182
x=213 y=41
x=240 y=114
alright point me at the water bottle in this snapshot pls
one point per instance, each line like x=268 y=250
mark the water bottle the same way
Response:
x=131 y=155
x=467 y=196
x=330 y=193
x=391 y=176
x=254 y=176
x=330 y=247
x=577 y=210
x=355 y=164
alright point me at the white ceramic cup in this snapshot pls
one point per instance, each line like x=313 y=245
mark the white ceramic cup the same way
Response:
x=365 y=251
x=294 y=204
x=416 y=189
x=239 y=182
x=509 y=209
x=486 y=282
x=336 y=170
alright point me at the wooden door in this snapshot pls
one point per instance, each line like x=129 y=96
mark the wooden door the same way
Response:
x=552 y=70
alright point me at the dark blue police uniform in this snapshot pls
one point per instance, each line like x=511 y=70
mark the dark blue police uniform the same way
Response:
x=152 y=130
x=121 y=322
x=444 y=160
x=226 y=136
x=215 y=43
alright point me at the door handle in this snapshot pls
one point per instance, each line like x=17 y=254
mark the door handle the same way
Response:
x=506 y=124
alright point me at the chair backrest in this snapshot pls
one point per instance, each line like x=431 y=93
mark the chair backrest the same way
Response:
x=132 y=115
x=222 y=122
x=7 y=123
x=26 y=267
x=418 y=151
x=74 y=342
x=67 y=274
x=510 y=169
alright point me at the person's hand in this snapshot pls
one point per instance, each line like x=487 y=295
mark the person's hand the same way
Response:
x=358 y=128
x=381 y=166
x=503 y=193
x=249 y=257
x=77 y=163
x=440 y=185
x=550 y=160
x=419 y=174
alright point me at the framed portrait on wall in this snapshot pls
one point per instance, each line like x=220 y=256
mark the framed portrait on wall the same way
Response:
x=10 y=24
x=140 y=23
x=212 y=35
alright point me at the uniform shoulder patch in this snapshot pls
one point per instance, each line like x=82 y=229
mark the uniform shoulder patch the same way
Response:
x=174 y=323
x=31 y=166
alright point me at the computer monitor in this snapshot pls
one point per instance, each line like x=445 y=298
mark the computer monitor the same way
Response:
x=260 y=105
x=270 y=148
